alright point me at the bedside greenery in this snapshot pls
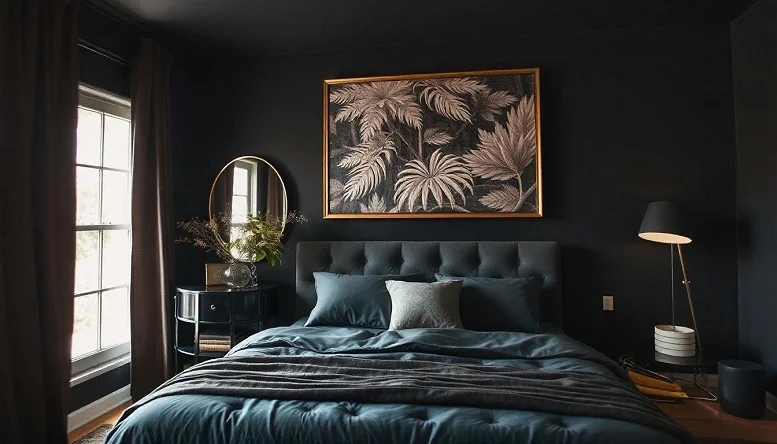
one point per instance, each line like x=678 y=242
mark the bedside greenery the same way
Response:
x=260 y=239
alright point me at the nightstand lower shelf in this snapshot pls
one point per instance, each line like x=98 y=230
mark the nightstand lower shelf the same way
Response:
x=189 y=351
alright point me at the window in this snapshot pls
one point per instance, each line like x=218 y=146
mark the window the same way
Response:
x=243 y=195
x=101 y=326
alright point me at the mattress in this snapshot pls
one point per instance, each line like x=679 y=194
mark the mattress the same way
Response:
x=194 y=418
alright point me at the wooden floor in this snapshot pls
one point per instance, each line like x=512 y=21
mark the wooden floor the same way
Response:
x=706 y=420
x=108 y=418
x=702 y=418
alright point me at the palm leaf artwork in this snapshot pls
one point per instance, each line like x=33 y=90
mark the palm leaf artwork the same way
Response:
x=491 y=103
x=506 y=152
x=436 y=136
x=375 y=205
x=411 y=145
x=367 y=165
x=374 y=104
x=507 y=198
x=504 y=155
x=444 y=177
x=446 y=96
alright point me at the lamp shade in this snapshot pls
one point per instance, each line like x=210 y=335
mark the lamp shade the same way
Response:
x=664 y=222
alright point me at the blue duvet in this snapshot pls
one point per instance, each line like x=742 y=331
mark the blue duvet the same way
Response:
x=222 y=419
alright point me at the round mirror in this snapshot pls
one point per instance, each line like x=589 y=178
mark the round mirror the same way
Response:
x=248 y=185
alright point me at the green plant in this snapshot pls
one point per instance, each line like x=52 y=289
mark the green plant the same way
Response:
x=260 y=238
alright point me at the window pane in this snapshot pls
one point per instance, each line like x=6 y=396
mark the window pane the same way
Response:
x=89 y=131
x=116 y=255
x=115 y=198
x=234 y=233
x=115 y=327
x=239 y=209
x=87 y=196
x=87 y=261
x=85 y=327
x=240 y=182
x=116 y=145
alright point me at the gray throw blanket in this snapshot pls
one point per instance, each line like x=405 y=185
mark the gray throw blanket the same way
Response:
x=339 y=378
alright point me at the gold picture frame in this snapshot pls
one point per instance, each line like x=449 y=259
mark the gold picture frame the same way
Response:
x=214 y=274
x=445 y=145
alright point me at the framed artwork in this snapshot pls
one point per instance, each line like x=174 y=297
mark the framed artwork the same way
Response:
x=464 y=144
x=214 y=274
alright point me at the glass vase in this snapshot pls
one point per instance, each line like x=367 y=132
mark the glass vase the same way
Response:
x=238 y=275
x=254 y=276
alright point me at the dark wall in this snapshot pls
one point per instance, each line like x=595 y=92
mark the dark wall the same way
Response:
x=628 y=117
x=93 y=389
x=754 y=56
x=202 y=101
x=100 y=33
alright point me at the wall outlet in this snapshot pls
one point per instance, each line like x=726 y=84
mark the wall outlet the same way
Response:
x=607 y=303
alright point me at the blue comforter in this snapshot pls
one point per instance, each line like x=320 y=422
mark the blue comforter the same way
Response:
x=223 y=419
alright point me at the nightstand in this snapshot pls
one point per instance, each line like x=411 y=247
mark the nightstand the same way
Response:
x=210 y=320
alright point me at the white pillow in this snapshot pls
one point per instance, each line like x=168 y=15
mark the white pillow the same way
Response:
x=424 y=304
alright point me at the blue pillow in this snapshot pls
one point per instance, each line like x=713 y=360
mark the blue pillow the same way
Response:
x=499 y=304
x=353 y=299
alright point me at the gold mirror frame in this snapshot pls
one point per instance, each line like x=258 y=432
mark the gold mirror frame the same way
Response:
x=258 y=159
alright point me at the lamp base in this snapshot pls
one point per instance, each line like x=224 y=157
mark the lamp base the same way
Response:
x=675 y=340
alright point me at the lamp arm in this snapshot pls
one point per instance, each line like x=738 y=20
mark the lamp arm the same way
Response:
x=687 y=285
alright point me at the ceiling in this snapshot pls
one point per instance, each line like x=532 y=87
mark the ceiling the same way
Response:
x=292 y=26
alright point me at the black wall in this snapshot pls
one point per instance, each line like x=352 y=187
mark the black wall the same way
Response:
x=93 y=389
x=754 y=55
x=628 y=116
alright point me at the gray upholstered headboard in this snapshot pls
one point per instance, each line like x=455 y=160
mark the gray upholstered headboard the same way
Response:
x=489 y=259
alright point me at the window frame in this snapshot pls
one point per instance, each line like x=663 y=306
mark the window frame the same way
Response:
x=251 y=169
x=105 y=103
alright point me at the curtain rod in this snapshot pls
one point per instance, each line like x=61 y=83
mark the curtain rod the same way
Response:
x=104 y=53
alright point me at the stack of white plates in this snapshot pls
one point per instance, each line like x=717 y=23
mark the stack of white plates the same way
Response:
x=674 y=340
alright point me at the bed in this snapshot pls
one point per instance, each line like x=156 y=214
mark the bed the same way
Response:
x=357 y=384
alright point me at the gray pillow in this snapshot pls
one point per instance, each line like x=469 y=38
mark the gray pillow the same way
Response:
x=353 y=299
x=499 y=304
x=424 y=305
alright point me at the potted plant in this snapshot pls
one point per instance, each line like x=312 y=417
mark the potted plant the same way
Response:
x=259 y=239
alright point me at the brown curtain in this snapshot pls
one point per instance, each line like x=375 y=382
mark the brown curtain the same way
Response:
x=152 y=220
x=275 y=198
x=222 y=196
x=39 y=102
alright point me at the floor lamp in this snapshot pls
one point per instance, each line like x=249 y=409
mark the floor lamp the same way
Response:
x=665 y=223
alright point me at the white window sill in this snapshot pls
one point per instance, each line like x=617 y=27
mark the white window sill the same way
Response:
x=98 y=370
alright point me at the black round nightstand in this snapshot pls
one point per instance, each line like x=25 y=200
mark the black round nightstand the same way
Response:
x=210 y=320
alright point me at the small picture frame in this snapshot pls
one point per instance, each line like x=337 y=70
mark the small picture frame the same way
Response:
x=214 y=274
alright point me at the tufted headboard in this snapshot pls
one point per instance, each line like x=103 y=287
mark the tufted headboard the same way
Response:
x=488 y=259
